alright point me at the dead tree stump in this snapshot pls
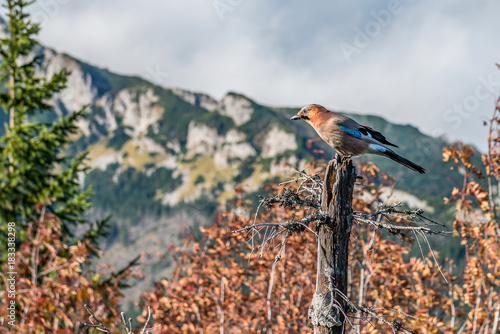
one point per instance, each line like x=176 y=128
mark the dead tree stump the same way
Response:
x=328 y=307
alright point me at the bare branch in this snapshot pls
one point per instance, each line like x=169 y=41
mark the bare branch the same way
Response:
x=251 y=227
x=128 y=325
x=145 y=329
x=293 y=226
x=393 y=228
x=395 y=325
x=288 y=198
x=99 y=325
x=412 y=220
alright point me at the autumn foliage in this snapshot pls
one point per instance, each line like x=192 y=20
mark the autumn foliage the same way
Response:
x=219 y=284
x=223 y=283
x=477 y=224
x=54 y=282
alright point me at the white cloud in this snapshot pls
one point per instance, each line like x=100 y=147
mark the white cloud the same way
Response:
x=426 y=59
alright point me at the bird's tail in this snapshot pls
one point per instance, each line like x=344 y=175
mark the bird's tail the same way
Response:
x=381 y=150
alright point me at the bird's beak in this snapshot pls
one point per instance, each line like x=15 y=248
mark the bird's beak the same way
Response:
x=294 y=118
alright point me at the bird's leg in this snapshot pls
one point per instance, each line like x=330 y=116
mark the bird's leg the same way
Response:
x=338 y=158
x=345 y=156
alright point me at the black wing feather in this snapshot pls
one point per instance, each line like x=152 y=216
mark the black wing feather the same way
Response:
x=375 y=135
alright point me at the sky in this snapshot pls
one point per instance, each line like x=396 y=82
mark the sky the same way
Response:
x=426 y=63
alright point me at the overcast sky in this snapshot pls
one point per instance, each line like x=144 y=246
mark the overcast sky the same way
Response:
x=427 y=63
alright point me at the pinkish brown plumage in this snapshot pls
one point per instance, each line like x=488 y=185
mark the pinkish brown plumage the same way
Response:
x=348 y=137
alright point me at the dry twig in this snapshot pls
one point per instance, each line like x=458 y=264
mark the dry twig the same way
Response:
x=128 y=324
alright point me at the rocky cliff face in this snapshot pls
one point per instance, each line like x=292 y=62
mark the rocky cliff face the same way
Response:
x=128 y=128
x=205 y=146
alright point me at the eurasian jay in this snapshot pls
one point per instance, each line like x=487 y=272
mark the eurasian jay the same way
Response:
x=348 y=137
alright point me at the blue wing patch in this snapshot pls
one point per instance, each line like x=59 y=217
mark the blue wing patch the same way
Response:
x=353 y=132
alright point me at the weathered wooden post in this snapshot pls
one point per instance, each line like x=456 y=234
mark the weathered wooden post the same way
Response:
x=329 y=306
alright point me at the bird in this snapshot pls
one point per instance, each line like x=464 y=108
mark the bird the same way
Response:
x=348 y=137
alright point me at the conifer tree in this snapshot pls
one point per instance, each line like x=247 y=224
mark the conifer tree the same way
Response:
x=41 y=200
x=34 y=169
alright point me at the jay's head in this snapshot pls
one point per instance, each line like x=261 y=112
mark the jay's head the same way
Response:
x=309 y=112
